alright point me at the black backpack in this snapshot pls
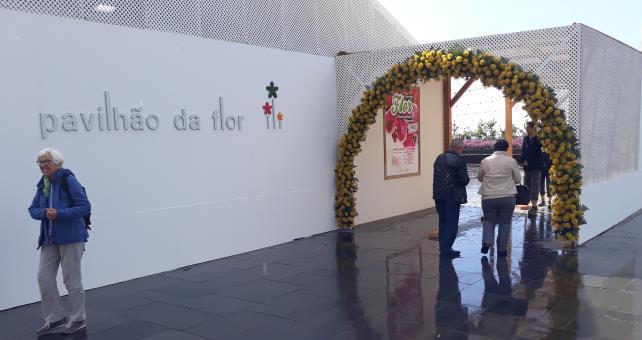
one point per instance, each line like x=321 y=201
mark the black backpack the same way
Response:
x=65 y=186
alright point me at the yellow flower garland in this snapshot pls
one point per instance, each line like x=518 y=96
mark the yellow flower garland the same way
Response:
x=557 y=137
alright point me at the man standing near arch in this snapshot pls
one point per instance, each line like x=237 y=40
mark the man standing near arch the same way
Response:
x=532 y=159
x=450 y=178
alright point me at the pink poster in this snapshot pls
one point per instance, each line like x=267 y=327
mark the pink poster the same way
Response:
x=401 y=134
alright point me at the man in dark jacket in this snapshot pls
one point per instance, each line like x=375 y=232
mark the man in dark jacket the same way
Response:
x=449 y=192
x=532 y=159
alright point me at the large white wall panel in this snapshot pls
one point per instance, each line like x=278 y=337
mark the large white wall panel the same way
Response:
x=166 y=198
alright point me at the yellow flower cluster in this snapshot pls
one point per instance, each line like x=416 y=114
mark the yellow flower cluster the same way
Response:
x=558 y=139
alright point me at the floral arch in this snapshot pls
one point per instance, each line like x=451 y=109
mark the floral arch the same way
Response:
x=557 y=137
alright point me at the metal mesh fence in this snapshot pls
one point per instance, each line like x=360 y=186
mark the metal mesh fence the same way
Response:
x=307 y=26
x=610 y=105
x=552 y=53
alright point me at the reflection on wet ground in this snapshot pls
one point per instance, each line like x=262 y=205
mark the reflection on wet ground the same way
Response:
x=383 y=281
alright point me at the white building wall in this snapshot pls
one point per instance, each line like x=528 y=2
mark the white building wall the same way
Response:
x=613 y=200
x=166 y=198
x=610 y=129
x=610 y=106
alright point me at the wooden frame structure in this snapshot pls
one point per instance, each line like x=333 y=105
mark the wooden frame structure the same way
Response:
x=449 y=102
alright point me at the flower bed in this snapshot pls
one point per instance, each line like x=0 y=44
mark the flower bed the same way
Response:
x=485 y=147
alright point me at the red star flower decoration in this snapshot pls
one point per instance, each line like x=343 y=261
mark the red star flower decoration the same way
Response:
x=279 y=117
x=267 y=109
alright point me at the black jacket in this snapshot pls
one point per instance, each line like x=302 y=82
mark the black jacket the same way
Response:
x=449 y=172
x=531 y=152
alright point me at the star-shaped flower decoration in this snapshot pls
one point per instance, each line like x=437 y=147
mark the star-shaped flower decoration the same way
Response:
x=279 y=117
x=267 y=109
x=272 y=90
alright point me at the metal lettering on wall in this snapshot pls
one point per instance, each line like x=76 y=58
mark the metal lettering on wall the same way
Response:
x=108 y=117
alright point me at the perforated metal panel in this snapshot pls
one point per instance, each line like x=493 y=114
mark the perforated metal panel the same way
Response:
x=610 y=103
x=595 y=77
x=554 y=54
x=307 y=26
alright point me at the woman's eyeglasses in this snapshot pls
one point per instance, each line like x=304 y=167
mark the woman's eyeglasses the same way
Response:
x=45 y=162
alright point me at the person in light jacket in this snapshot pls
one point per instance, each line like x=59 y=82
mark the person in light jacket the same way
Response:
x=60 y=208
x=498 y=173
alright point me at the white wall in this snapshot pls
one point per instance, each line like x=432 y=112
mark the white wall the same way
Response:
x=613 y=200
x=161 y=199
x=610 y=202
x=378 y=198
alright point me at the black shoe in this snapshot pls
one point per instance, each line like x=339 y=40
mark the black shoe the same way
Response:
x=57 y=327
x=502 y=253
x=485 y=248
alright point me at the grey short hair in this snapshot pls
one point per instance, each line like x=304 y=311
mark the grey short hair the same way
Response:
x=56 y=155
x=456 y=144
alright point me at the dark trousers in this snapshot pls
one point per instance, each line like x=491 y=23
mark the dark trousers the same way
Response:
x=545 y=184
x=532 y=180
x=448 y=211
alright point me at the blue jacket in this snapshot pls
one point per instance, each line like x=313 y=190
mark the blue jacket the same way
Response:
x=69 y=226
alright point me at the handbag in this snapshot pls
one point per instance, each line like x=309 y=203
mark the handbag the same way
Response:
x=459 y=194
x=522 y=196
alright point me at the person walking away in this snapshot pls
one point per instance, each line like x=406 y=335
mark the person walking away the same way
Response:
x=531 y=160
x=498 y=173
x=449 y=192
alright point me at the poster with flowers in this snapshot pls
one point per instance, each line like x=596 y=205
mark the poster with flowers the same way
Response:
x=401 y=134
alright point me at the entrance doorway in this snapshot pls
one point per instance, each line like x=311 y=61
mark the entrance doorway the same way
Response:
x=479 y=116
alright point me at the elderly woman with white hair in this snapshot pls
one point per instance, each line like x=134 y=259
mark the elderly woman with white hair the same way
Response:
x=60 y=204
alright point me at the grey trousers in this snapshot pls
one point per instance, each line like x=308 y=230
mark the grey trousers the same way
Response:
x=531 y=180
x=69 y=257
x=498 y=211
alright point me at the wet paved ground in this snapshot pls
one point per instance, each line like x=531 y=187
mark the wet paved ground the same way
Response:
x=384 y=281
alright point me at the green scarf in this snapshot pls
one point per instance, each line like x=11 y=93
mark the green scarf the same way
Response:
x=47 y=188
